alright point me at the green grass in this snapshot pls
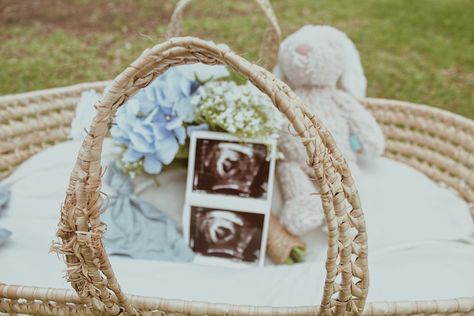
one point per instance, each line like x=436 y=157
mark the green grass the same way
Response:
x=421 y=51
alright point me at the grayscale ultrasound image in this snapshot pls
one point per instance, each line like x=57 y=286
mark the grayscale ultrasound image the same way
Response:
x=226 y=234
x=231 y=168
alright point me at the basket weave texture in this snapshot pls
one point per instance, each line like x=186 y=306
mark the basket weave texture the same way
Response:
x=81 y=230
x=438 y=143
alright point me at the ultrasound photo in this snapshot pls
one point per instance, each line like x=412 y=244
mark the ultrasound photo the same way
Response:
x=231 y=168
x=226 y=234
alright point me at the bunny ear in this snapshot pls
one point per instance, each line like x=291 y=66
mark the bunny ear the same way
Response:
x=353 y=79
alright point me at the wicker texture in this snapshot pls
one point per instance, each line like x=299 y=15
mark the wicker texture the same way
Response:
x=271 y=40
x=32 y=121
x=80 y=229
x=41 y=301
x=411 y=138
x=436 y=142
x=280 y=242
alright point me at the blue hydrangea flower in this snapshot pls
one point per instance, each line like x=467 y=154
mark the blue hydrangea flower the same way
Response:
x=150 y=124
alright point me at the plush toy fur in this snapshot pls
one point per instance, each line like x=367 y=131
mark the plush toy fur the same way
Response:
x=323 y=67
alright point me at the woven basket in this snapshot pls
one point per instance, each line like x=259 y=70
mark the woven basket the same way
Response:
x=438 y=143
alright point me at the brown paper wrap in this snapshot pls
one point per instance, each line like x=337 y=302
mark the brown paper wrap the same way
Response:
x=280 y=242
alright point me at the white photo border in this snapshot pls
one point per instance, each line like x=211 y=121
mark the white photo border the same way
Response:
x=226 y=262
x=223 y=200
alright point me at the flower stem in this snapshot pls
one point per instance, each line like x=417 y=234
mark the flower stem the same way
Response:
x=297 y=254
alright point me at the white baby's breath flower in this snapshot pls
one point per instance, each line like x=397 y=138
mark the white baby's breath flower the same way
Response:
x=242 y=110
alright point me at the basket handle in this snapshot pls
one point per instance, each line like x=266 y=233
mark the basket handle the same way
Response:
x=80 y=230
x=271 y=40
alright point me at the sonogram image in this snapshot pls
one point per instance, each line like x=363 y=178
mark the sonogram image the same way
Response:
x=231 y=168
x=226 y=234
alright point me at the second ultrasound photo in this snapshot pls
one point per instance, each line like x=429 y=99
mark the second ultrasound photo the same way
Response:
x=226 y=234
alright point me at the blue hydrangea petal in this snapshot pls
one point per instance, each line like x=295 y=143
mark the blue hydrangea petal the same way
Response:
x=192 y=128
x=207 y=72
x=131 y=155
x=166 y=149
x=132 y=107
x=144 y=131
x=185 y=86
x=167 y=109
x=122 y=120
x=119 y=135
x=176 y=87
x=154 y=91
x=180 y=133
x=152 y=117
x=186 y=71
x=146 y=104
x=115 y=131
x=139 y=143
x=173 y=123
x=152 y=164
x=184 y=109
x=160 y=132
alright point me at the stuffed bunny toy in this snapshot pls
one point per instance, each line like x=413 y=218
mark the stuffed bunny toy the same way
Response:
x=323 y=67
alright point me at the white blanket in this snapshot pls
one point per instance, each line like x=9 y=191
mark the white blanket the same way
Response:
x=419 y=244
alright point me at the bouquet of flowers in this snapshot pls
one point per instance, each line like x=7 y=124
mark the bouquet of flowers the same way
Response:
x=155 y=124
x=241 y=110
x=152 y=127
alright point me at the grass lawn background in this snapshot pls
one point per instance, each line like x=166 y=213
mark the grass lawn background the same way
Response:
x=416 y=50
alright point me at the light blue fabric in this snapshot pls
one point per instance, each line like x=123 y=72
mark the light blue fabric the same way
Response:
x=4 y=199
x=136 y=228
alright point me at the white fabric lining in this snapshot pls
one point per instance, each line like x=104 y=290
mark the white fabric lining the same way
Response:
x=427 y=245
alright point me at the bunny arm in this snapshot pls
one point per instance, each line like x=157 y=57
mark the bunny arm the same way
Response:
x=302 y=210
x=362 y=124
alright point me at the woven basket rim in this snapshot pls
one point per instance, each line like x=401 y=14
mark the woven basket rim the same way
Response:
x=101 y=84
x=396 y=108
x=372 y=308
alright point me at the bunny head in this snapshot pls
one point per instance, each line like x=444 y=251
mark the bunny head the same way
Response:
x=321 y=56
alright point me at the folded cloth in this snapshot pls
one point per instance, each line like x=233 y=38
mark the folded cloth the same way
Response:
x=4 y=199
x=136 y=228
